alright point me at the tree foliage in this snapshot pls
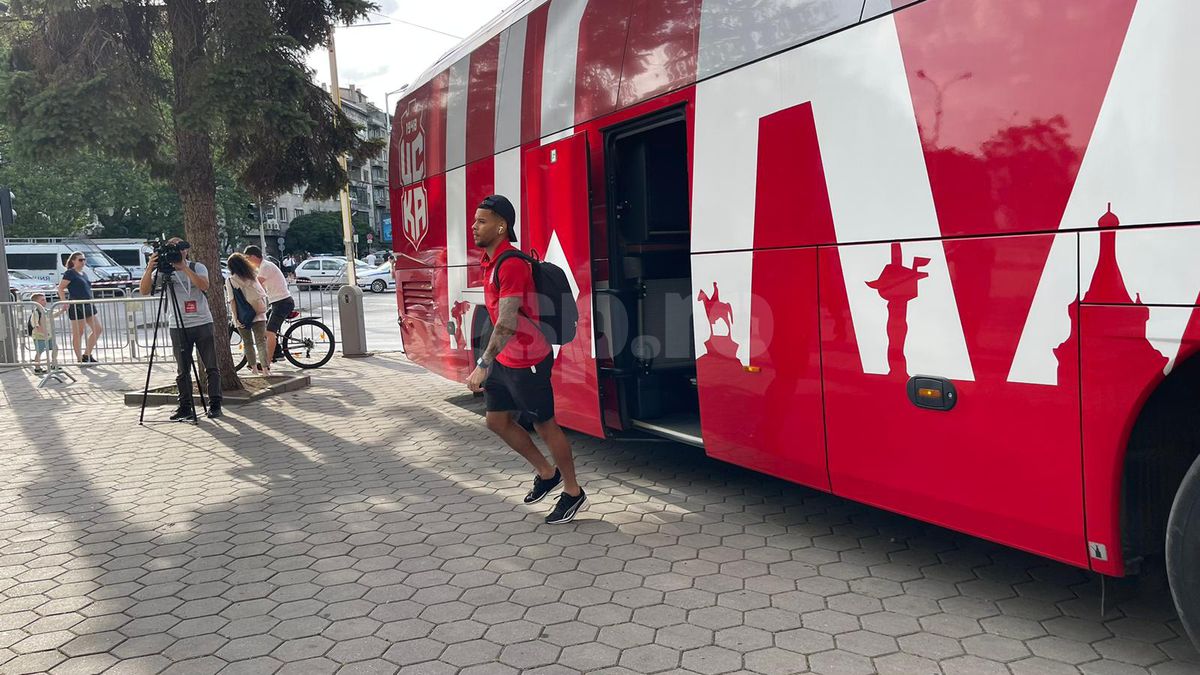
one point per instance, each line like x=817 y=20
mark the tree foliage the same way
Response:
x=104 y=197
x=321 y=232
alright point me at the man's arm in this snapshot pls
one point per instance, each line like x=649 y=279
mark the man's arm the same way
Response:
x=506 y=327
x=201 y=280
x=145 y=286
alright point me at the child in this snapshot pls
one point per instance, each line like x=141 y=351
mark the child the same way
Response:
x=42 y=330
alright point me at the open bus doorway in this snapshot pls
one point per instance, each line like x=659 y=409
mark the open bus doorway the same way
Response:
x=650 y=280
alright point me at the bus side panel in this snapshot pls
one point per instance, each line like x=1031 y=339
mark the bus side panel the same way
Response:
x=662 y=49
x=766 y=415
x=1005 y=462
x=423 y=292
x=1127 y=347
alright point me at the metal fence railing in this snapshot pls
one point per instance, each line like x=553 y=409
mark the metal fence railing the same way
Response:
x=127 y=326
x=319 y=301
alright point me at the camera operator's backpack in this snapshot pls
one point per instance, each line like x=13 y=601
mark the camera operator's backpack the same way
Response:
x=557 y=313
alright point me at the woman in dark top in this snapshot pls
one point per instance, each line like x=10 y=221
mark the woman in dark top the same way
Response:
x=76 y=286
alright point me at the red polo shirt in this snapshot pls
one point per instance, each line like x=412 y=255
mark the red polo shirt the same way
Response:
x=528 y=347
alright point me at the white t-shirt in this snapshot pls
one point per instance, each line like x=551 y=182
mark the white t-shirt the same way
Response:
x=371 y=259
x=251 y=289
x=273 y=281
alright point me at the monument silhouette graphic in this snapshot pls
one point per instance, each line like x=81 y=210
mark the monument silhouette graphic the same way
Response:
x=897 y=285
x=718 y=311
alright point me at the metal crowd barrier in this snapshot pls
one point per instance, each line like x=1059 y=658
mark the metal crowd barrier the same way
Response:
x=127 y=326
x=319 y=301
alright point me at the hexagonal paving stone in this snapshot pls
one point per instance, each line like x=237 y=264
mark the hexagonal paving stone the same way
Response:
x=341 y=540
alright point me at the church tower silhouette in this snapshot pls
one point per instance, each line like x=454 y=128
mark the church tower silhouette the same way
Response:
x=1108 y=288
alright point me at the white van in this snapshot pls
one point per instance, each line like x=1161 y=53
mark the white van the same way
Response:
x=131 y=254
x=46 y=259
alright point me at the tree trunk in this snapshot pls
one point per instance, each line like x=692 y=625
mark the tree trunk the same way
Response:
x=194 y=177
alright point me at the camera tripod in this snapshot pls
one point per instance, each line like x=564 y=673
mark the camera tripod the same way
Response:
x=169 y=287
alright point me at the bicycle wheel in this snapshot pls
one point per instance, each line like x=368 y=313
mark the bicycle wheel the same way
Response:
x=308 y=343
x=237 y=348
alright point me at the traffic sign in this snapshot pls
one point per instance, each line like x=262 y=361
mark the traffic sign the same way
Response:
x=370 y=237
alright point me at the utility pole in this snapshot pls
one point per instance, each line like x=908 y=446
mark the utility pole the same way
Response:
x=262 y=228
x=347 y=225
x=8 y=329
x=350 y=297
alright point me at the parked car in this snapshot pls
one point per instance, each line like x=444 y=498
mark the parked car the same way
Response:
x=376 y=279
x=22 y=285
x=325 y=271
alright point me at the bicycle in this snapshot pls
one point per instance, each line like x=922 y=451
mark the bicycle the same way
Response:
x=307 y=343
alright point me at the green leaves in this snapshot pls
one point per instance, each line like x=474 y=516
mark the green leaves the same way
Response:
x=97 y=75
x=321 y=232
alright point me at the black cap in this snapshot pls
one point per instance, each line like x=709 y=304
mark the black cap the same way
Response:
x=500 y=205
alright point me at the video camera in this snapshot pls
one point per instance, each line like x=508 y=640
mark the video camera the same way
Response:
x=169 y=254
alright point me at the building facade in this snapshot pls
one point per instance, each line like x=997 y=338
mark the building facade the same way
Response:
x=368 y=180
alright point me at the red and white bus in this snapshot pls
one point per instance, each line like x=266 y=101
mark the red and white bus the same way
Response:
x=940 y=256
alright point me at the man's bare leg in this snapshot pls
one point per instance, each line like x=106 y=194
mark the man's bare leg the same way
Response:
x=503 y=425
x=560 y=450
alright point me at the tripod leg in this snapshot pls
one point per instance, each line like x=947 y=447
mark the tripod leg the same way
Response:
x=162 y=299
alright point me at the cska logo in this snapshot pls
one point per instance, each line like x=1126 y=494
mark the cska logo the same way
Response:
x=412 y=172
x=412 y=145
x=416 y=215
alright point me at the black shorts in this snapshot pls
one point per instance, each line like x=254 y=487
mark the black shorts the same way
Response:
x=77 y=312
x=280 y=310
x=522 y=390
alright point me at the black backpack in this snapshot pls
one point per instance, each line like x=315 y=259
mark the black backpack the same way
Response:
x=557 y=313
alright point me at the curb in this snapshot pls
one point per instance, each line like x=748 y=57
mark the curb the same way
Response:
x=281 y=384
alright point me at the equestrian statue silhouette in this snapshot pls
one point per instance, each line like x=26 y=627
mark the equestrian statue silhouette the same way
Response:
x=715 y=309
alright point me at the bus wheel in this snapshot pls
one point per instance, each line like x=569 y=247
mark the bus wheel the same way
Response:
x=1183 y=552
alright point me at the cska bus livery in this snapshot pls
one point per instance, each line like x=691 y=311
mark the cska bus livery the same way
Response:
x=939 y=256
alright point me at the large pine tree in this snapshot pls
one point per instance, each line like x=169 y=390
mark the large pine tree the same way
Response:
x=174 y=84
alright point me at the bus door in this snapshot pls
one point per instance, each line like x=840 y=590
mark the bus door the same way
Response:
x=557 y=230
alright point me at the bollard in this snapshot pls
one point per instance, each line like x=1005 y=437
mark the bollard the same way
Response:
x=354 y=325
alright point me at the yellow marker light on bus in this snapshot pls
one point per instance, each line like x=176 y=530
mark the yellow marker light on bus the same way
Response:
x=753 y=369
x=929 y=393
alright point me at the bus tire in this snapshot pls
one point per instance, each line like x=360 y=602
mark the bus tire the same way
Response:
x=1183 y=552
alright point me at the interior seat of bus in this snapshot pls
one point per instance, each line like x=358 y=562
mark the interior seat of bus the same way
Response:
x=650 y=280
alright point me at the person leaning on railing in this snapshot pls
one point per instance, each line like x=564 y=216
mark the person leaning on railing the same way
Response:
x=190 y=282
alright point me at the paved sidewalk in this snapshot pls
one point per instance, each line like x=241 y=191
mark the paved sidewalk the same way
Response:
x=371 y=525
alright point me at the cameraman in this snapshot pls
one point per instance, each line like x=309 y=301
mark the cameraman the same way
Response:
x=190 y=281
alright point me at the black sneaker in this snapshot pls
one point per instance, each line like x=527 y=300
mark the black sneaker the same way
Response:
x=38 y=370
x=542 y=487
x=566 y=508
x=214 y=409
x=181 y=414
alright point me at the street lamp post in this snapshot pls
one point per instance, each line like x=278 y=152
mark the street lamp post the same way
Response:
x=939 y=91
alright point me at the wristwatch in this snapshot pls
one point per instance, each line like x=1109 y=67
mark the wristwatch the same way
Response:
x=483 y=364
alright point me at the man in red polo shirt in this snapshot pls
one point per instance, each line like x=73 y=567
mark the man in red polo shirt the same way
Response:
x=514 y=371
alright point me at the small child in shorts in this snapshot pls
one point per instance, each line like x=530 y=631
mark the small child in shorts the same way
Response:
x=42 y=326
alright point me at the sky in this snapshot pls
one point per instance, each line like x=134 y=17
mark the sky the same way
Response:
x=381 y=59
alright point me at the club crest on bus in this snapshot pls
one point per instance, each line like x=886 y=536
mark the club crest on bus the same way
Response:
x=411 y=148
x=414 y=204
